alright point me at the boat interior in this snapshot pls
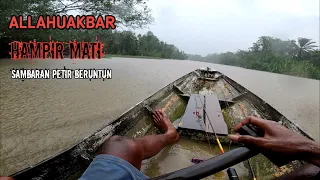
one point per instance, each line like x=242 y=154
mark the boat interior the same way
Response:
x=235 y=102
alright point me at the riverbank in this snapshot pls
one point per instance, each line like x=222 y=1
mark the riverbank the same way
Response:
x=303 y=69
x=42 y=117
x=284 y=66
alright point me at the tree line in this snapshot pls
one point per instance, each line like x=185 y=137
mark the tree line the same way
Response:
x=128 y=43
x=291 y=57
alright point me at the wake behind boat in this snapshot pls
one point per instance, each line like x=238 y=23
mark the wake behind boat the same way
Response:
x=204 y=105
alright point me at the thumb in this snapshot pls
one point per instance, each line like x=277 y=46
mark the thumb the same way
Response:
x=249 y=140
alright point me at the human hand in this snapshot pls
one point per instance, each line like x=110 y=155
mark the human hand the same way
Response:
x=278 y=139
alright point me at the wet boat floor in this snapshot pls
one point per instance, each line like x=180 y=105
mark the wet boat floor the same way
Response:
x=180 y=154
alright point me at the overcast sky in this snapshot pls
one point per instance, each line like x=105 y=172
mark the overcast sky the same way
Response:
x=209 y=26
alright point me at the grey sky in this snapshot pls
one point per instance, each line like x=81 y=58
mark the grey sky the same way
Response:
x=209 y=26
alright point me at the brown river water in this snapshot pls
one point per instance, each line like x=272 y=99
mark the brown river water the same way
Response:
x=42 y=117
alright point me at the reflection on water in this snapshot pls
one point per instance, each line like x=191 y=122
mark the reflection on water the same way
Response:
x=42 y=117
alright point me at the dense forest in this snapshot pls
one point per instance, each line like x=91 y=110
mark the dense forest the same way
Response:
x=130 y=14
x=298 y=58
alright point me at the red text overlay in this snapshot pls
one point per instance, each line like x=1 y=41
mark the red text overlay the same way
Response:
x=56 y=50
x=63 y=22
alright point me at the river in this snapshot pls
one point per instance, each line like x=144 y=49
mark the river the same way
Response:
x=42 y=117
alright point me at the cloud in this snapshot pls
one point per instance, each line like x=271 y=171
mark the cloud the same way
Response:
x=208 y=26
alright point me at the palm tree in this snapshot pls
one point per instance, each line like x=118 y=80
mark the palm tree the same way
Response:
x=304 y=47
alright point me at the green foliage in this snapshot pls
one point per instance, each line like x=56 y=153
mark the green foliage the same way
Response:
x=305 y=46
x=128 y=43
x=273 y=55
x=128 y=13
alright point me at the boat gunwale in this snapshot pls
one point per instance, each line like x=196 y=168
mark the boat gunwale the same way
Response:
x=269 y=107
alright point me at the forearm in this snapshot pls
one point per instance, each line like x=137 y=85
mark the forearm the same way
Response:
x=311 y=153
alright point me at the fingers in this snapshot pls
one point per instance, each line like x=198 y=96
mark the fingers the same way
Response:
x=158 y=113
x=155 y=117
x=254 y=121
x=248 y=140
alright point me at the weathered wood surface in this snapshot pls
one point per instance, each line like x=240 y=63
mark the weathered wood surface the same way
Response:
x=195 y=118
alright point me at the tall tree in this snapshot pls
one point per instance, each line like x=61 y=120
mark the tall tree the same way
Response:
x=305 y=46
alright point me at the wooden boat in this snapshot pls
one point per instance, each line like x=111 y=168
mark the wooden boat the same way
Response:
x=235 y=103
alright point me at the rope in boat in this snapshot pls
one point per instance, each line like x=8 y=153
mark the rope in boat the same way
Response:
x=217 y=139
x=249 y=162
x=201 y=124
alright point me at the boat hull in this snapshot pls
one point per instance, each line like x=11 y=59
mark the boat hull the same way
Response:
x=236 y=103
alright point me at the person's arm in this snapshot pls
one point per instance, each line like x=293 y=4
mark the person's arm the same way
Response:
x=279 y=139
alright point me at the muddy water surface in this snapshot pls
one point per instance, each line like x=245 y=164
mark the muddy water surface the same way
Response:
x=42 y=117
